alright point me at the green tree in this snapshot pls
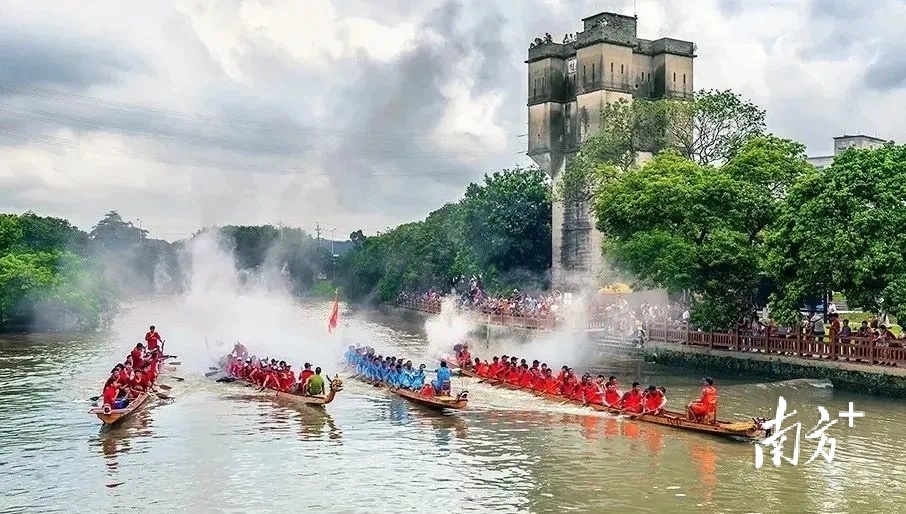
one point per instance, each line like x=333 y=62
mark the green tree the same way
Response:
x=713 y=126
x=844 y=229
x=508 y=221
x=676 y=224
x=115 y=233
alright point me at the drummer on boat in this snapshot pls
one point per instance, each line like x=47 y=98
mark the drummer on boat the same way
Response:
x=153 y=340
x=705 y=408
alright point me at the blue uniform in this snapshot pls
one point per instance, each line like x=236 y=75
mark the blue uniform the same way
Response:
x=443 y=377
x=417 y=380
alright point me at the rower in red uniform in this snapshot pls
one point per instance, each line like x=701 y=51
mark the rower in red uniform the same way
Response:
x=305 y=373
x=137 y=354
x=654 y=400
x=527 y=378
x=514 y=373
x=706 y=404
x=551 y=384
x=632 y=400
x=481 y=367
x=153 y=339
x=111 y=392
x=287 y=379
x=578 y=389
x=494 y=368
x=593 y=391
x=611 y=393
x=570 y=381
x=464 y=357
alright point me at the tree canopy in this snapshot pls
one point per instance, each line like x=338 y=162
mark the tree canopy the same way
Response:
x=680 y=225
x=499 y=229
x=844 y=229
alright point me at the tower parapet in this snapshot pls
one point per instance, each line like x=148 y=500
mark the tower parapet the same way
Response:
x=568 y=84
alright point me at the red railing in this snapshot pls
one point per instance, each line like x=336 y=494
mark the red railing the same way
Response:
x=854 y=349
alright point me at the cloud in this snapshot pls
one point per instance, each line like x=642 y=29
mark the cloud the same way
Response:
x=360 y=114
x=63 y=62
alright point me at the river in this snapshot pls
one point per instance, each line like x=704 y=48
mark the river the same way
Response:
x=223 y=448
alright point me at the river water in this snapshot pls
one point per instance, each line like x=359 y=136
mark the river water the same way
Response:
x=223 y=448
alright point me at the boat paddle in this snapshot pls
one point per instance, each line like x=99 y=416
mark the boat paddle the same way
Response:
x=165 y=387
x=175 y=363
x=212 y=373
x=171 y=356
x=178 y=379
x=94 y=398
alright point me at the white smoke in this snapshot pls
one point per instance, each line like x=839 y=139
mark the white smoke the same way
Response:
x=568 y=344
x=223 y=305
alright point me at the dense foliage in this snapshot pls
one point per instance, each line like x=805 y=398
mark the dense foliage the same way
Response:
x=727 y=213
x=55 y=276
x=500 y=229
x=46 y=275
x=844 y=229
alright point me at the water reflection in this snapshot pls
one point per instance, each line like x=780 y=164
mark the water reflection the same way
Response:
x=113 y=441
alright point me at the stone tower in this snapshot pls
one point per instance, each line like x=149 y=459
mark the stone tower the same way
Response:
x=568 y=84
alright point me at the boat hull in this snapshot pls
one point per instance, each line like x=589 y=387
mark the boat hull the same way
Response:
x=117 y=415
x=432 y=402
x=739 y=430
x=314 y=401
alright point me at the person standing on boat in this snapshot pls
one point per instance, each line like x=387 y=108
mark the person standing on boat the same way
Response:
x=153 y=339
x=706 y=404
x=442 y=382
x=138 y=356
x=314 y=385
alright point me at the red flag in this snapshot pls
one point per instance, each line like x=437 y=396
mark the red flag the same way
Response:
x=334 y=313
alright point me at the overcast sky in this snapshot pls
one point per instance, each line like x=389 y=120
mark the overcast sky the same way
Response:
x=366 y=114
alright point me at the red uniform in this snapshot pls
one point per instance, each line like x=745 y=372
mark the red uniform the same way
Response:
x=593 y=394
x=576 y=392
x=494 y=369
x=153 y=340
x=653 y=401
x=527 y=379
x=304 y=374
x=611 y=396
x=111 y=391
x=287 y=380
x=632 y=401
x=465 y=359
x=513 y=375
x=481 y=369
x=707 y=404
x=137 y=361
x=551 y=385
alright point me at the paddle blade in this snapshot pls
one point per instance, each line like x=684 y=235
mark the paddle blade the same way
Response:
x=212 y=373
x=165 y=387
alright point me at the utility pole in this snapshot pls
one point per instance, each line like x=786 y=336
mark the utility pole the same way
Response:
x=318 y=233
x=333 y=255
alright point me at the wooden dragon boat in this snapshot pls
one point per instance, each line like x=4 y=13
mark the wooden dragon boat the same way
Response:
x=110 y=416
x=742 y=430
x=336 y=385
x=457 y=402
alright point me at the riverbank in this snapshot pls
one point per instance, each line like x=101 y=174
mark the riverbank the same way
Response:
x=884 y=381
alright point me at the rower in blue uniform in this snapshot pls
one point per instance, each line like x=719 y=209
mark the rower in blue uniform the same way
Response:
x=442 y=382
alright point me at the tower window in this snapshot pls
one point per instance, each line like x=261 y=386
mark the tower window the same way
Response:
x=583 y=74
x=674 y=76
x=684 y=79
x=542 y=85
x=621 y=69
x=611 y=68
x=535 y=88
x=592 y=72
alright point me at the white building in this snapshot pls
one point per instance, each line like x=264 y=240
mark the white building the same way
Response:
x=844 y=142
